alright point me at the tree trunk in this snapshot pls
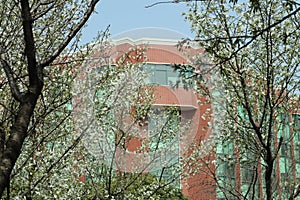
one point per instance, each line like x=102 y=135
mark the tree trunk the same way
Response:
x=268 y=175
x=12 y=149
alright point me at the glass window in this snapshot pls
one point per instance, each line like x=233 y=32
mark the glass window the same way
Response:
x=284 y=128
x=225 y=169
x=298 y=171
x=219 y=149
x=249 y=173
x=69 y=106
x=172 y=77
x=164 y=142
x=296 y=132
x=160 y=77
x=286 y=150
x=283 y=165
x=161 y=74
x=163 y=127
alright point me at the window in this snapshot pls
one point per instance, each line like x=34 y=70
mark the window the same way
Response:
x=296 y=132
x=286 y=150
x=163 y=136
x=163 y=127
x=284 y=127
x=161 y=74
x=288 y=131
x=160 y=77
x=225 y=169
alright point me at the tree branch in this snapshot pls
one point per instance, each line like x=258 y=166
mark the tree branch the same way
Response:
x=12 y=81
x=35 y=78
x=70 y=36
x=258 y=34
x=2 y=140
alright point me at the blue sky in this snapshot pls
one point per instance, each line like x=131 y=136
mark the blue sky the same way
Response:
x=124 y=15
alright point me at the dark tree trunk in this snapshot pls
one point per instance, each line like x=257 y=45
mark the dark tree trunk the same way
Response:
x=14 y=143
x=268 y=175
x=10 y=148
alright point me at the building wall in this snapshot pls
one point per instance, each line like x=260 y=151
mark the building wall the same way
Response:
x=238 y=176
x=158 y=56
x=158 y=59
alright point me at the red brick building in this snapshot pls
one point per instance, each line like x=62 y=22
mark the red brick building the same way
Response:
x=158 y=51
x=160 y=55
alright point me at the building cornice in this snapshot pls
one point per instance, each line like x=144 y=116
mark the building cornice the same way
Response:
x=142 y=41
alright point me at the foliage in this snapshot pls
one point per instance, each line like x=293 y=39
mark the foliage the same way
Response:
x=253 y=76
x=42 y=154
x=135 y=186
x=117 y=116
x=50 y=153
x=56 y=158
x=34 y=36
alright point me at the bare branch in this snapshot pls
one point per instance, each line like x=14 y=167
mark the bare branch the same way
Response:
x=71 y=35
x=42 y=13
x=254 y=37
x=12 y=81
